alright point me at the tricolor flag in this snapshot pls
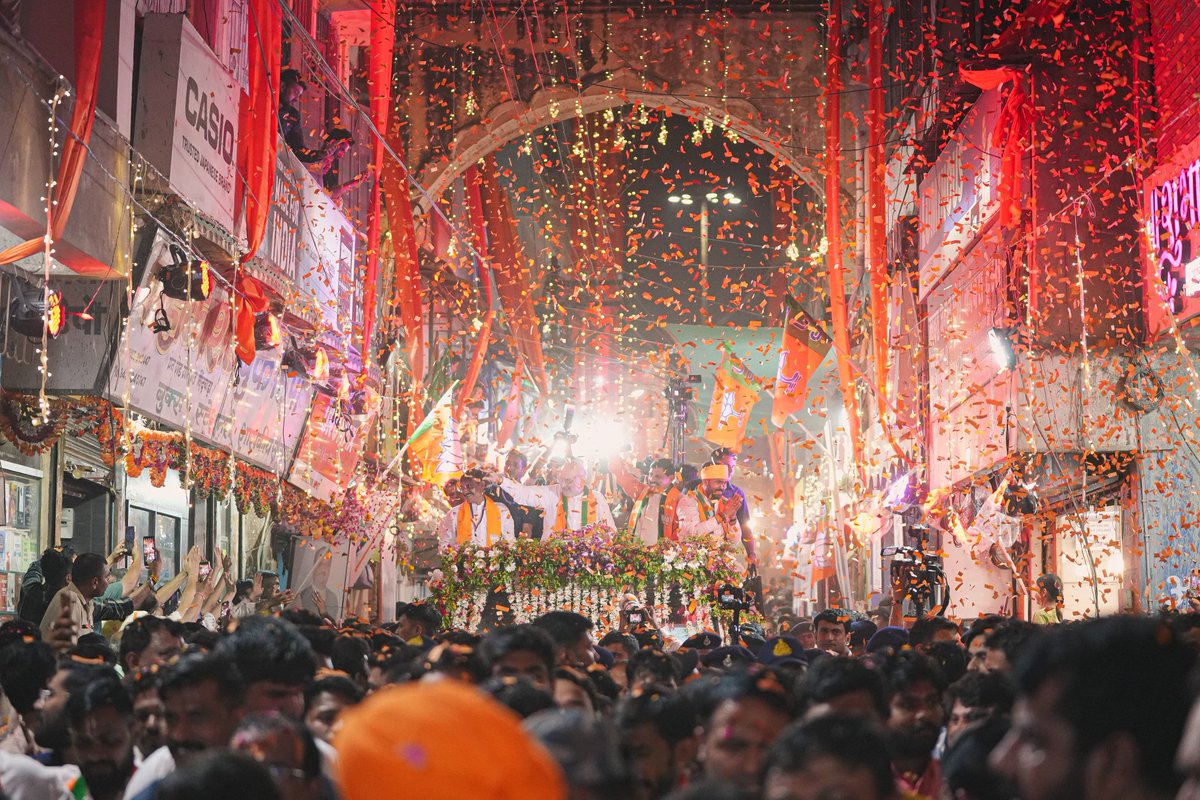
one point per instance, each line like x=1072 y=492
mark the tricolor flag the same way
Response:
x=804 y=348
x=435 y=442
x=732 y=400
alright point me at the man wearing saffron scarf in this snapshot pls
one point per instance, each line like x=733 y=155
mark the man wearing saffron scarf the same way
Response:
x=654 y=500
x=705 y=511
x=478 y=519
x=568 y=506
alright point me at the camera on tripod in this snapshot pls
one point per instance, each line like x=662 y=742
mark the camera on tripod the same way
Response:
x=920 y=574
x=731 y=597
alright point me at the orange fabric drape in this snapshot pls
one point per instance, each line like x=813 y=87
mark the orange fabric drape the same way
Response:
x=512 y=409
x=1010 y=134
x=484 y=336
x=512 y=275
x=258 y=128
x=89 y=38
x=379 y=87
x=249 y=300
x=833 y=225
x=406 y=282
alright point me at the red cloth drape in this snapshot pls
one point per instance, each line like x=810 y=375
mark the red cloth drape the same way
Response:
x=258 y=129
x=1011 y=133
x=379 y=85
x=248 y=300
x=406 y=279
x=89 y=39
x=512 y=275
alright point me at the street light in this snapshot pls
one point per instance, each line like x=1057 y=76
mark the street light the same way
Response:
x=711 y=198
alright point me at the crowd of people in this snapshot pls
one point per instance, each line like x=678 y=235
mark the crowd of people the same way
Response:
x=180 y=702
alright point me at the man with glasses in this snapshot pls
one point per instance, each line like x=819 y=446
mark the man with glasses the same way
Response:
x=479 y=520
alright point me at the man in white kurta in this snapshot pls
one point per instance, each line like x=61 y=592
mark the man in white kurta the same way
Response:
x=478 y=519
x=568 y=506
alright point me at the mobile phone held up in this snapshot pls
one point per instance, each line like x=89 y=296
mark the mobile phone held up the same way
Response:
x=205 y=570
x=149 y=550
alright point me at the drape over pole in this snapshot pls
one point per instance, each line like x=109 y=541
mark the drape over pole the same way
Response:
x=833 y=223
x=483 y=272
x=512 y=275
x=258 y=138
x=379 y=87
x=876 y=198
x=89 y=38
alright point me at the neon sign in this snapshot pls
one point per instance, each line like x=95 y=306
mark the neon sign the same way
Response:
x=1175 y=234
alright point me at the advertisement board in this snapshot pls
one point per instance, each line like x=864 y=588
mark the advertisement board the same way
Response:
x=187 y=115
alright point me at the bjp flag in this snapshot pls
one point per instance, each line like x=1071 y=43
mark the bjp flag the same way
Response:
x=804 y=348
x=733 y=398
x=435 y=443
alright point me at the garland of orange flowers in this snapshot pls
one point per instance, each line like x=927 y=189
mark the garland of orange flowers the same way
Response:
x=157 y=452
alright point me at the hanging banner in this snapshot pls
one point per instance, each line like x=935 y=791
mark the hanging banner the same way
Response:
x=256 y=411
x=733 y=399
x=804 y=348
x=329 y=452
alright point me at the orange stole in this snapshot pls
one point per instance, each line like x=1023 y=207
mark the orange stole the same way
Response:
x=466 y=524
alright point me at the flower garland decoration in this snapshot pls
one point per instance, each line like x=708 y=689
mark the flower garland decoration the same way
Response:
x=579 y=569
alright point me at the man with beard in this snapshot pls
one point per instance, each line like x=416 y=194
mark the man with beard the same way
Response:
x=51 y=730
x=1101 y=706
x=915 y=722
x=655 y=500
x=568 y=506
x=708 y=510
x=478 y=520
x=101 y=720
x=204 y=699
x=658 y=728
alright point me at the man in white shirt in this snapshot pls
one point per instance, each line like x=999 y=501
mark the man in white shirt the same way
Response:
x=704 y=511
x=478 y=519
x=568 y=506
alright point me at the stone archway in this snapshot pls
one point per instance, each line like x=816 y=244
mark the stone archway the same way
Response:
x=473 y=82
x=511 y=120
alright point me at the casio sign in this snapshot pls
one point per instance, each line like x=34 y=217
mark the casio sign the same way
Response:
x=207 y=118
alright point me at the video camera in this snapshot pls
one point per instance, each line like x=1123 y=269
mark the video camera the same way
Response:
x=732 y=598
x=921 y=574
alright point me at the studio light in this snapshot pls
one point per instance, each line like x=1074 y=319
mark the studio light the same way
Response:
x=33 y=311
x=268 y=334
x=1000 y=340
x=185 y=279
x=305 y=360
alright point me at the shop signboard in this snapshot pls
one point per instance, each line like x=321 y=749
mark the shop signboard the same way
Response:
x=187 y=115
x=1173 y=220
x=176 y=364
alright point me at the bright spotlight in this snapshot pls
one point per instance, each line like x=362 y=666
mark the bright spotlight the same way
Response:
x=1000 y=341
x=712 y=197
x=686 y=200
x=674 y=198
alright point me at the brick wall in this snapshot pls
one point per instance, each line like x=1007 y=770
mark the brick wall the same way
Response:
x=1176 y=32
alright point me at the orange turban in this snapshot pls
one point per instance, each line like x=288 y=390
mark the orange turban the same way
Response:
x=441 y=740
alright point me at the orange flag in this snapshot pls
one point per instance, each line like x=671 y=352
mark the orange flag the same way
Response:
x=732 y=400
x=804 y=348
